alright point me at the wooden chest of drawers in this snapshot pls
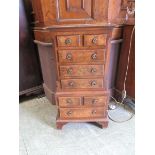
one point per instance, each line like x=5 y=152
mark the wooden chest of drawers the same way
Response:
x=82 y=38
x=82 y=64
x=82 y=57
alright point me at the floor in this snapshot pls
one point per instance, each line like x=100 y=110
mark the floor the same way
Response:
x=39 y=136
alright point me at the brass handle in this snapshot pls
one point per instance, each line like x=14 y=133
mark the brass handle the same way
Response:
x=94 y=101
x=94 y=41
x=69 y=101
x=94 y=56
x=71 y=84
x=93 y=70
x=69 y=71
x=93 y=111
x=68 y=41
x=69 y=113
x=93 y=83
x=69 y=56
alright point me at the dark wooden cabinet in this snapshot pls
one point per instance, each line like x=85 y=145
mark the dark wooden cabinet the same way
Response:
x=78 y=45
x=122 y=65
x=30 y=77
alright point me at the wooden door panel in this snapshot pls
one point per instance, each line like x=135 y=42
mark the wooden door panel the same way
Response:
x=75 y=10
x=82 y=10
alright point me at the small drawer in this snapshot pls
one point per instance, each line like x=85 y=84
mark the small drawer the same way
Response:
x=81 y=70
x=81 y=56
x=71 y=113
x=95 y=100
x=71 y=41
x=69 y=101
x=82 y=83
x=95 y=40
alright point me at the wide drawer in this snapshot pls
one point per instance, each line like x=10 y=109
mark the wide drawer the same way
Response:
x=71 y=40
x=95 y=40
x=81 y=70
x=69 y=101
x=95 y=100
x=82 y=83
x=81 y=56
x=71 y=113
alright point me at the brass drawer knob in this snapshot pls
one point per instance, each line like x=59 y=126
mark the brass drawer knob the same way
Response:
x=68 y=41
x=69 y=101
x=94 y=101
x=93 y=83
x=69 y=113
x=94 y=56
x=93 y=70
x=69 y=56
x=71 y=84
x=69 y=71
x=94 y=41
x=94 y=112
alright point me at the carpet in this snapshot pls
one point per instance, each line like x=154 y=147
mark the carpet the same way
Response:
x=39 y=136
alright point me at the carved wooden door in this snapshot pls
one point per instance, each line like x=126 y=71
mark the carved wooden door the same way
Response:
x=75 y=10
x=82 y=10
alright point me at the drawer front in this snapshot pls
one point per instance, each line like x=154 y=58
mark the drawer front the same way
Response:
x=81 y=56
x=81 y=70
x=69 y=41
x=82 y=83
x=95 y=40
x=95 y=100
x=69 y=101
x=82 y=112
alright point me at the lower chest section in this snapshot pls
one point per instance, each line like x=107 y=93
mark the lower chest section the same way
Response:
x=82 y=105
x=82 y=58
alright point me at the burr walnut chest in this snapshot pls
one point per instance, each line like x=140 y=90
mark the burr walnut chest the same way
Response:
x=78 y=42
